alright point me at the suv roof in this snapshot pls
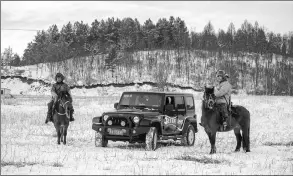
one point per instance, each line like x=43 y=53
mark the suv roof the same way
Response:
x=164 y=93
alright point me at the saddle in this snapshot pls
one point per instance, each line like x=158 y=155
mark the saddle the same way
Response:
x=232 y=113
x=231 y=108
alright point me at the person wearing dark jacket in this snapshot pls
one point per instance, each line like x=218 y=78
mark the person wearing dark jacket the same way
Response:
x=56 y=89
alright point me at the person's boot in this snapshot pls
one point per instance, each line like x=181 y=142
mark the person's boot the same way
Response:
x=49 y=115
x=225 y=124
x=52 y=112
x=71 y=116
x=48 y=119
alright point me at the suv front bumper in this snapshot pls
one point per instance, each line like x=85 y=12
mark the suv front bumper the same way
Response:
x=130 y=134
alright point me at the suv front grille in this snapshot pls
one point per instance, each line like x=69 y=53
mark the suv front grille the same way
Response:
x=116 y=121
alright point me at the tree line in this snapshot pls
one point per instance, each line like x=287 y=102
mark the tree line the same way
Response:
x=248 y=54
x=103 y=37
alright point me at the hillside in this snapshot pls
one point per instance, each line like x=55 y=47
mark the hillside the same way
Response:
x=249 y=72
x=27 y=86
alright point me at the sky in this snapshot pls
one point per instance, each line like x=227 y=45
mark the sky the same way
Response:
x=30 y=16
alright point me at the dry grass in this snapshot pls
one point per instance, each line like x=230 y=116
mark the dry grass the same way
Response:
x=28 y=146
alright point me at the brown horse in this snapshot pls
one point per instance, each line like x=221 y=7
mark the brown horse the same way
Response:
x=61 y=116
x=212 y=122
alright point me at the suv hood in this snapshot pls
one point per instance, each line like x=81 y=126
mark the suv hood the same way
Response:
x=132 y=112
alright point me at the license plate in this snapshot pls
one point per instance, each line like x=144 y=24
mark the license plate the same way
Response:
x=115 y=132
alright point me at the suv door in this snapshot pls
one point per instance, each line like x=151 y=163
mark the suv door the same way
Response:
x=190 y=108
x=181 y=111
x=170 y=115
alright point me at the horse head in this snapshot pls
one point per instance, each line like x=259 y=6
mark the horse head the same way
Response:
x=64 y=103
x=209 y=97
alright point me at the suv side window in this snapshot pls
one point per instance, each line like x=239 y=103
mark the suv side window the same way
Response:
x=169 y=100
x=189 y=103
x=180 y=104
x=169 y=106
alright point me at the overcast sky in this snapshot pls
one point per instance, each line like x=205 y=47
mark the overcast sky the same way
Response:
x=39 y=15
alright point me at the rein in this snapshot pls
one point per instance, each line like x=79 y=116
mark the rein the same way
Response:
x=62 y=105
x=60 y=113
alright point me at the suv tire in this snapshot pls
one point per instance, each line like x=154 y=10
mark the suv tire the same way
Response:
x=189 y=139
x=100 y=141
x=151 y=139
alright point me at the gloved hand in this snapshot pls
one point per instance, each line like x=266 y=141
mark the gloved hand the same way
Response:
x=55 y=97
x=216 y=86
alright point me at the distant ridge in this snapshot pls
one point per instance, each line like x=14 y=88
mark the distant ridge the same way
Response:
x=30 y=81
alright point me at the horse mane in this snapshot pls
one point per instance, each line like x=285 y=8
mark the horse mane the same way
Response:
x=209 y=90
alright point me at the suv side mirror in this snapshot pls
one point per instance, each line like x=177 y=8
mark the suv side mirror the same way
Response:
x=115 y=105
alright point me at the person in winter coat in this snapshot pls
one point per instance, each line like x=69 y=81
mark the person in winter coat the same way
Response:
x=223 y=95
x=57 y=88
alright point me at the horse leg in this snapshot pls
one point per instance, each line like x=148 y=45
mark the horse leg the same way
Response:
x=238 y=138
x=245 y=134
x=248 y=140
x=59 y=136
x=64 y=134
x=212 y=138
x=61 y=131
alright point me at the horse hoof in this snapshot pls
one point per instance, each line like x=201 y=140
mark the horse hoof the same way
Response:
x=237 y=150
x=247 y=151
x=212 y=152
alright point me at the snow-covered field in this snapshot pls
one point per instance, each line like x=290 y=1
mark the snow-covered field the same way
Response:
x=28 y=146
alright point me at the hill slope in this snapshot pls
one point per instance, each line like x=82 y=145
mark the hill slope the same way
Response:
x=249 y=72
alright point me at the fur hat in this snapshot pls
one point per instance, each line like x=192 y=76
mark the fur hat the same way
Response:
x=221 y=73
x=60 y=76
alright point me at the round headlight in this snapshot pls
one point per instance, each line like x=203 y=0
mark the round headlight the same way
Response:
x=106 y=117
x=110 y=122
x=123 y=123
x=135 y=119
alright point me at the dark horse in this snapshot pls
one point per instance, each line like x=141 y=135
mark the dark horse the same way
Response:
x=212 y=122
x=61 y=116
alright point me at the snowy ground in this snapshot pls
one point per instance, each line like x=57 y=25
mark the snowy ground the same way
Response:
x=28 y=146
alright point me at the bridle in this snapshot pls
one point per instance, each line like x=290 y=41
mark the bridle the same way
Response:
x=63 y=106
x=209 y=101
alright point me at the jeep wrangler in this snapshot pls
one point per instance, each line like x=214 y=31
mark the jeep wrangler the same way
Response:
x=148 y=117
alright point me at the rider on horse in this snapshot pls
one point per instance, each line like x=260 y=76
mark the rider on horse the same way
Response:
x=223 y=95
x=57 y=88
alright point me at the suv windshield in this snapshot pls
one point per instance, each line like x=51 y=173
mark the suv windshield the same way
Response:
x=140 y=101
